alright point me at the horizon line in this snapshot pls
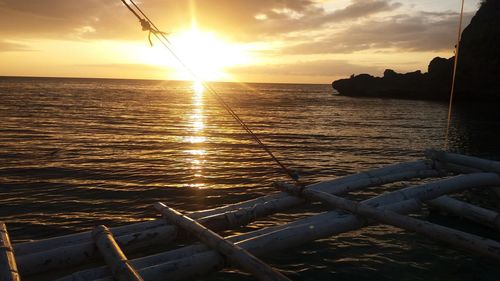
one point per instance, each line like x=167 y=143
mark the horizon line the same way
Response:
x=151 y=79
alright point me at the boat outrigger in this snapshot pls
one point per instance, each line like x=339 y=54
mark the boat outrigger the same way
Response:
x=427 y=182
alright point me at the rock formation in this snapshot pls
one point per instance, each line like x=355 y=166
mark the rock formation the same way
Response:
x=478 y=72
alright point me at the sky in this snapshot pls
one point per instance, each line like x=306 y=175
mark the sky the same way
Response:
x=285 y=41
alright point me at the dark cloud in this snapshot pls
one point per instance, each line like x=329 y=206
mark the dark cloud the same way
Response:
x=311 y=16
x=61 y=19
x=363 y=8
x=6 y=46
x=422 y=31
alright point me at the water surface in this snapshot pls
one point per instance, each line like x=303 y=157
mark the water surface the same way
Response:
x=75 y=153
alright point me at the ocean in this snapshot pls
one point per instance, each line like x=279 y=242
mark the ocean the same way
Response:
x=75 y=153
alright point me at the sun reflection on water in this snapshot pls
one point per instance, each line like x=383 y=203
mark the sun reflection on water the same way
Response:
x=197 y=138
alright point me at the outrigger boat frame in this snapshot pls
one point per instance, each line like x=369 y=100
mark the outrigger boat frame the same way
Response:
x=450 y=173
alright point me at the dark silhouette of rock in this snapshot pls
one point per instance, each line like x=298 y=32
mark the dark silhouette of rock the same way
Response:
x=479 y=55
x=478 y=69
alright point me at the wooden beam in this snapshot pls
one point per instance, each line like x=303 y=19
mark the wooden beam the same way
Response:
x=232 y=252
x=120 y=267
x=8 y=267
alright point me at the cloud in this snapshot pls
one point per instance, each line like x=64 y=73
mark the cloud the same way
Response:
x=60 y=19
x=128 y=66
x=423 y=31
x=329 y=68
x=281 y=21
x=110 y=20
x=363 y=8
x=7 y=46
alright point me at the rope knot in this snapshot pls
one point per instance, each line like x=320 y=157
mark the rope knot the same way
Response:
x=146 y=26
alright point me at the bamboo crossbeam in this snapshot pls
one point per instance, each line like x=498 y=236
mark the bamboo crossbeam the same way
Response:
x=78 y=253
x=463 y=160
x=286 y=236
x=391 y=173
x=465 y=164
x=42 y=245
x=245 y=215
x=474 y=213
x=400 y=171
x=8 y=267
x=116 y=260
x=272 y=240
x=232 y=252
x=407 y=170
x=466 y=241
x=73 y=255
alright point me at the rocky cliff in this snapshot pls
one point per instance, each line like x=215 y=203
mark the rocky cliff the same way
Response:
x=478 y=72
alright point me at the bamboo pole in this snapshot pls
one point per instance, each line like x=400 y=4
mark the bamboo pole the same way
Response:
x=139 y=263
x=466 y=164
x=27 y=248
x=72 y=255
x=116 y=260
x=466 y=241
x=474 y=213
x=242 y=216
x=468 y=161
x=379 y=176
x=8 y=267
x=272 y=239
x=233 y=253
x=391 y=173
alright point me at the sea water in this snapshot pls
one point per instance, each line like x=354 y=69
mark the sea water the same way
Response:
x=75 y=153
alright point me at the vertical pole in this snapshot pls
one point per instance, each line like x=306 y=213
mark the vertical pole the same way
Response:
x=450 y=105
x=8 y=267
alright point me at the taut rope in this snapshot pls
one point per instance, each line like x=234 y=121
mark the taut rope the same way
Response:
x=148 y=25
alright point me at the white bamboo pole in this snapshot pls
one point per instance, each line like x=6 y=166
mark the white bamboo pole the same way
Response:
x=116 y=260
x=201 y=264
x=466 y=241
x=40 y=245
x=468 y=161
x=8 y=267
x=406 y=170
x=63 y=257
x=401 y=171
x=302 y=231
x=142 y=262
x=248 y=214
x=474 y=213
x=233 y=253
x=465 y=164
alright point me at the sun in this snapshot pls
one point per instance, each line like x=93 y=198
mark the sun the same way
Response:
x=204 y=54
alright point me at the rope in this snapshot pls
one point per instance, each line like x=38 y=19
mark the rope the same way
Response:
x=450 y=105
x=148 y=25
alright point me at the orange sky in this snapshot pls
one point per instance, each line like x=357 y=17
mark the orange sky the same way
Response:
x=296 y=41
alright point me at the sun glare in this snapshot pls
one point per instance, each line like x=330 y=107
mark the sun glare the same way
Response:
x=205 y=53
x=198 y=87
